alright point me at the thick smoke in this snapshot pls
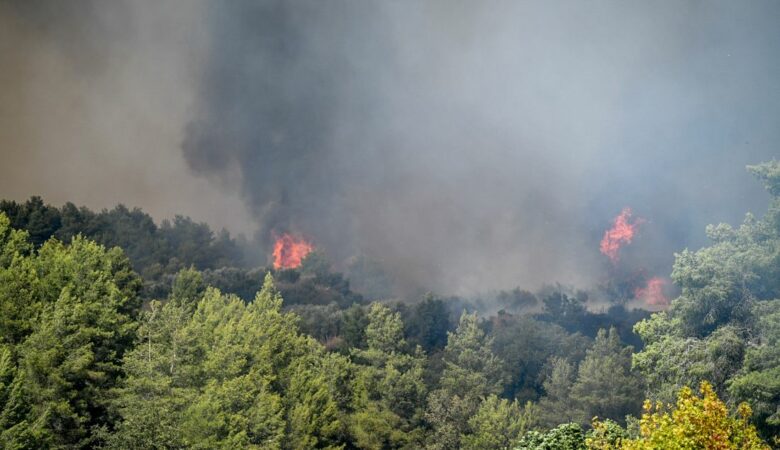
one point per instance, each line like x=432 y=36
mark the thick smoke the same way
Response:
x=462 y=145
x=94 y=101
x=473 y=144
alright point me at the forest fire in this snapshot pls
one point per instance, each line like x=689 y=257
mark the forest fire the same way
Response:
x=289 y=251
x=653 y=292
x=621 y=233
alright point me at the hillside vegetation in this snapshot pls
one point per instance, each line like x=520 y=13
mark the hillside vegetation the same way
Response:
x=117 y=333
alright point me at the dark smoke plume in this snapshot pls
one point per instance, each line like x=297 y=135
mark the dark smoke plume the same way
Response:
x=468 y=144
x=462 y=145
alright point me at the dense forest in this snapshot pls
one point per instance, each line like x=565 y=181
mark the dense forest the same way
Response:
x=118 y=333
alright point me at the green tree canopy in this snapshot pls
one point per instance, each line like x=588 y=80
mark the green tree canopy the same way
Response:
x=719 y=328
x=471 y=373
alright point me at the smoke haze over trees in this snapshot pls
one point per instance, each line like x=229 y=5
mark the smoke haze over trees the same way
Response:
x=460 y=146
x=438 y=224
x=87 y=360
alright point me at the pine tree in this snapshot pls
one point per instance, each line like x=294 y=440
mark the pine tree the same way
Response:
x=471 y=373
x=497 y=424
x=389 y=387
x=606 y=387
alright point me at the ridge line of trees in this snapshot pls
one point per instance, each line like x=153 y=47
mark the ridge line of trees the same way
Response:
x=87 y=361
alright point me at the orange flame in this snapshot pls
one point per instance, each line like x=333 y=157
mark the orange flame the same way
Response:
x=290 y=250
x=653 y=292
x=621 y=233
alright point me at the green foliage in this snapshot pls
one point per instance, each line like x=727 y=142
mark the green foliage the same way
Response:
x=389 y=383
x=41 y=221
x=497 y=424
x=471 y=373
x=188 y=288
x=71 y=316
x=471 y=367
x=527 y=346
x=567 y=308
x=326 y=323
x=605 y=435
x=516 y=300
x=428 y=323
x=227 y=375
x=606 y=386
x=720 y=282
x=84 y=364
x=758 y=381
x=297 y=288
x=563 y=307
x=73 y=357
x=670 y=361
x=355 y=323
x=693 y=423
x=769 y=173
x=155 y=251
x=320 y=289
x=20 y=302
x=384 y=333
x=448 y=416
x=602 y=385
x=558 y=405
x=719 y=327
x=568 y=436
x=311 y=403
x=207 y=370
x=155 y=394
x=315 y=264
x=19 y=428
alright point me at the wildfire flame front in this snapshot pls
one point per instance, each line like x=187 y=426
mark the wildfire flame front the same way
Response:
x=621 y=233
x=289 y=251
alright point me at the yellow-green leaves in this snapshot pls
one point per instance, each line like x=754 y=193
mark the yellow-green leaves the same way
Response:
x=694 y=422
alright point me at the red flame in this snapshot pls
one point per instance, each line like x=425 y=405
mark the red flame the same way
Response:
x=621 y=233
x=290 y=250
x=653 y=292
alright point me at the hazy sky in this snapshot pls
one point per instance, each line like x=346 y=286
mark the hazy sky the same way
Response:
x=94 y=102
x=464 y=144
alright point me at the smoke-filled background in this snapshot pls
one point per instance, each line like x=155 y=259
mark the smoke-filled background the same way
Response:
x=462 y=145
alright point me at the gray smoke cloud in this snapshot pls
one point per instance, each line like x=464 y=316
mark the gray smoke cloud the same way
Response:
x=473 y=144
x=463 y=145
x=94 y=101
